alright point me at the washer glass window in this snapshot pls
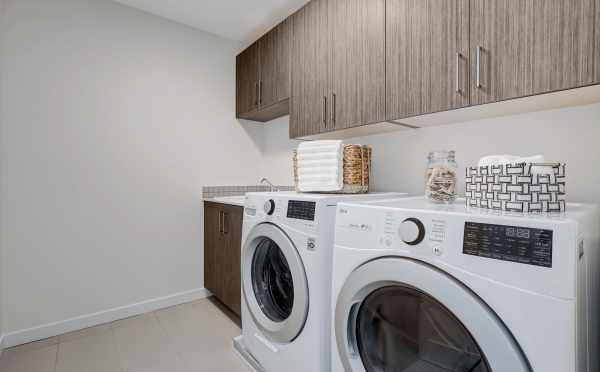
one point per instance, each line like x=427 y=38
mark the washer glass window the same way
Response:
x=401 y=329
x=272 y=281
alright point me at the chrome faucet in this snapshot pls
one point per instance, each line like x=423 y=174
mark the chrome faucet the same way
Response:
x=271 y=186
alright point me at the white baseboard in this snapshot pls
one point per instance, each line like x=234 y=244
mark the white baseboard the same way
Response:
x=85 y=321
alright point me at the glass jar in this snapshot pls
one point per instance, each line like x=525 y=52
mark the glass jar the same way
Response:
x=440 y=178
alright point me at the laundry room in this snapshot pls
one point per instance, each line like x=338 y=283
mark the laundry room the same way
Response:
x=299 y=185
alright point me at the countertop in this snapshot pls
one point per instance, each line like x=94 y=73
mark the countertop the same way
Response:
x=237 y=200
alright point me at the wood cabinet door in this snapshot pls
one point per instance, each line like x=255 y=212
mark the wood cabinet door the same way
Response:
x=246 y=79
x=357 y=62
x=427 y=56
x=212 y=248
x=231 y=265
x=308 y=111
x=275 y=64
x=564 y=44
x=502 y=49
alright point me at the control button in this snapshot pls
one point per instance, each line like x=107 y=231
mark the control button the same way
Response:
x=412 y=231
x=388 y=241
x=438 y=251
x=310 y=244
x=269 y=206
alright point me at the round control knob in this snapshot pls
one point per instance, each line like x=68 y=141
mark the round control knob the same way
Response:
x=269 y=207
x=412 y=231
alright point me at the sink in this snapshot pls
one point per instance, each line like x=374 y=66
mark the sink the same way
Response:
x=235 y=200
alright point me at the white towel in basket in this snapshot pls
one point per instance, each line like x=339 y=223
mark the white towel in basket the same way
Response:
x=320 y=165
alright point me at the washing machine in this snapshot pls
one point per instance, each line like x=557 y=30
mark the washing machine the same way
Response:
x=286 y=279
x=431 y=288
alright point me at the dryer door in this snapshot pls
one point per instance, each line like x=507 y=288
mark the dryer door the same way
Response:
x=401 y=315
x=274 y=282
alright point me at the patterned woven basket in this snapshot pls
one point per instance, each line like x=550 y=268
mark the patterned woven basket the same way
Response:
x=356 y=169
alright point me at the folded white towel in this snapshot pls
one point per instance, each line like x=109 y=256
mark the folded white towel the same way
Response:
x=539 y=160
x=320 y=165
x=509 y=159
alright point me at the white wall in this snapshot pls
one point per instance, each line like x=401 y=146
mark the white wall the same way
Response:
x=567 y=135
x=2 y=4
x=112 y=120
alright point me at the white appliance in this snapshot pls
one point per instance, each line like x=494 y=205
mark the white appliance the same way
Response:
x=286 y=279
x=424 y=287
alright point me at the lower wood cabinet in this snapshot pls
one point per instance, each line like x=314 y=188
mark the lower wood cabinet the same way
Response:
x=222 y=253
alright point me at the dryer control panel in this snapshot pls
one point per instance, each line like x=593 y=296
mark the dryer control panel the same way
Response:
x=508 y=243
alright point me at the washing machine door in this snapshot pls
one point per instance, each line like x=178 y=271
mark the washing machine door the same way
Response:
x=401 y=315
x=274 y=282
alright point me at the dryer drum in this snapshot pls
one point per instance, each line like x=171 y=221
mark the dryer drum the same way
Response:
x=272 y=281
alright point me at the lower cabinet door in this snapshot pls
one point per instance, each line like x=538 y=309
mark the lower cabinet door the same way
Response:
x=231 y=266
x=212 y=249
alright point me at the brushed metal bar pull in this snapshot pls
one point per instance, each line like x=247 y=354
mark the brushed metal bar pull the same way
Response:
x=260 y=89
x=458 y=57
x=220 y=225
x=325 y=111
x=256 y=94
x=479 y=67
x=333 y=99
x=225 y=228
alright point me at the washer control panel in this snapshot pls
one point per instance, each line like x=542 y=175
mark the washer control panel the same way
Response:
x=301 y=210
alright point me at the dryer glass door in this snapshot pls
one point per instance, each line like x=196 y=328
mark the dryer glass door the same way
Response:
x=400 y=315
x=402 y=329
x=274 y=283
x=272 y=280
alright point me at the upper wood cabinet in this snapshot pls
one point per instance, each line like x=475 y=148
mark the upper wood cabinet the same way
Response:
x=338 y=65
x=275 y=64
x=263 y=76
x=502 y=49
x=357 y=62
x=427 y=56
x=246 y=78
x=564 y=44
x=310 y=58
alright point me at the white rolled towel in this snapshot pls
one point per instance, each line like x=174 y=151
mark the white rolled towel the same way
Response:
x=320 y=165
x=539 y=160
x=509 y=159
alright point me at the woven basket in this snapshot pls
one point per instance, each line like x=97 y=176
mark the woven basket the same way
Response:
x=356 y=169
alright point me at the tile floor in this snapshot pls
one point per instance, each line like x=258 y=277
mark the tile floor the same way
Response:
x=194 y=337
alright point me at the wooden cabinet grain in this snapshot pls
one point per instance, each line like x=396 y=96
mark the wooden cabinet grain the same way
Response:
x=427 y=56
x=502 y=49
x=310 y=61
x=247 y=76
x=275 y=64
x=222 y=253
x=357 y=62
x=338 y=66
x=564 y=44
x=263 y=76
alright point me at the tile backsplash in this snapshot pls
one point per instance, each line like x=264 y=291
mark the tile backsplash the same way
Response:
x=215 y=191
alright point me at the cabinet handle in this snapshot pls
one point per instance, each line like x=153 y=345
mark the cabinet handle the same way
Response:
x=220 y=226
x=479 y=67
x=333 y=108
x=458 y=57
x=256 y=92
x=325 y=111
x=225 y=229
x=260 y=92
